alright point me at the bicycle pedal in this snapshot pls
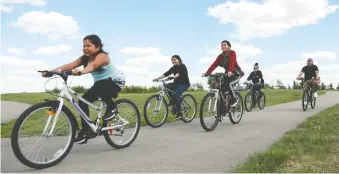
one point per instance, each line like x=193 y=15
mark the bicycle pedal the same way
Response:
x=84 y=142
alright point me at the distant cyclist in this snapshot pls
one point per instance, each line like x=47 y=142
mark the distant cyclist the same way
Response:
x=228 y=60
x=95 y=61
x=181 y=82
x=310 y=70
x=255 y=76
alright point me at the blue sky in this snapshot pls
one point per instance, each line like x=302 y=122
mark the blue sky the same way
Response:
x=152 y=31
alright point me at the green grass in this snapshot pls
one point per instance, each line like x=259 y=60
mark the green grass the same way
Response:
x=313 y=147
x=273 y=97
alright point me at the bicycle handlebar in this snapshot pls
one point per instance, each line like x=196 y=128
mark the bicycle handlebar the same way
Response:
x=163 y=80
x=62 y=74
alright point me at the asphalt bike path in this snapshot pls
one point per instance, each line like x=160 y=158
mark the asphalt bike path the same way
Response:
x=180 y=147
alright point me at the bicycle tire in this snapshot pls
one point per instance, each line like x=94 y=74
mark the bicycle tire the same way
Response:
x=242 y=109
x=248 y=95
x=202 y=122
x=195 y=108
x=17 y=125
x=146 y=116
x=262 y=107
x=313 y=99
x=303 y=101
x=107 y=135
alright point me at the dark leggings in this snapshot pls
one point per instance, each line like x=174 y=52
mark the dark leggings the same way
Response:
x=106 y=90
x=229 y=82
x=257 y=87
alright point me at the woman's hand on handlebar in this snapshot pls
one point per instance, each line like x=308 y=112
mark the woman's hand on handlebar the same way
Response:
x=76 y=72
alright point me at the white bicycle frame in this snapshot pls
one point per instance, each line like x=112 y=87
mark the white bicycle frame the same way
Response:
x=64 y=93
x=216 y=95
x=161 y=94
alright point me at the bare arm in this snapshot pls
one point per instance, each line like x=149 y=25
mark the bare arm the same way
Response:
x=317 y=75
x=300 y=74
x=69 y=66
x=99 y=61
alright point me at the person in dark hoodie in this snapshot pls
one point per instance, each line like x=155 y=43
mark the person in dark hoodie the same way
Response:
x=181 y=82
x=257 y=80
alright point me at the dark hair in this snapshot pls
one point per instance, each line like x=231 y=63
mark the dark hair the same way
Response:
x=256 y=64
x=177 y=57
x=96 y=41
x=227 y=42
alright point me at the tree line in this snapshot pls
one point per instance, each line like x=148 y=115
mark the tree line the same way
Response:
x=133 y=88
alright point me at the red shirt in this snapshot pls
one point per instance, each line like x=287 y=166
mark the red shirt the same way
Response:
x=233 y=64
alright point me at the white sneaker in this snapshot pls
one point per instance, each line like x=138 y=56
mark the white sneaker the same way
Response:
x=315 y=95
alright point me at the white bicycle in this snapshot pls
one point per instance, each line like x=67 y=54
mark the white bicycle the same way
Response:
x=58 y=125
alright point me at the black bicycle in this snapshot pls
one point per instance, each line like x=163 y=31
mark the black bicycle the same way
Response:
x=158 y=105
x=217 y=102
x=308 y=95
x=250 y=102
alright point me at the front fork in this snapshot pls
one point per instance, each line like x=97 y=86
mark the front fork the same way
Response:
x=56 y=116
x=161 y=97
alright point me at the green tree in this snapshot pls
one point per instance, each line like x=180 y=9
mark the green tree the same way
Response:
x=323 y=86
x=211 y=80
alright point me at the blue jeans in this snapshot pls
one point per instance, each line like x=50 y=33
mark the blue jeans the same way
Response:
x=179 y=89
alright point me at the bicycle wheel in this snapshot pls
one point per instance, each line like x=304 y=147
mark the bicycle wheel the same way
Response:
x=133 y=119
x=158 y=115
x=313 y=102
x=188 y=108
x=305 y=101
x=236 y=118
x=248 y=102
x=262 y=101
x=39 y=119
x=211 y=105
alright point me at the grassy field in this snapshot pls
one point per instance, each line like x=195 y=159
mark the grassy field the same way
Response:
x=273 y=96
x=313 y=147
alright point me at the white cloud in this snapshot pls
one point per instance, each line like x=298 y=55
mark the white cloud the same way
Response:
x=8 y=9
x=140 y=51
x=31 y=2
x=20 y=75
x=53 y=24
x=319 y=55
x=289 y=71
x=143 y=64
x=271 y=17
x=17 y=51
x=53 y=50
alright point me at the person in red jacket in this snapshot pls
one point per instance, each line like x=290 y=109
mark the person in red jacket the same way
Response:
x=228 y=60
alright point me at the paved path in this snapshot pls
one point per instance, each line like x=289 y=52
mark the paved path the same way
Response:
x=179 y=147
x=11 y=110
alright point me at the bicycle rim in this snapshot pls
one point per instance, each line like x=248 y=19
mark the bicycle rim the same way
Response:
x=248 y=102
x=237 y=111
x=188 y=108
x=209 y=112
x=128 y=113
x=57 y=149
x=155 y=111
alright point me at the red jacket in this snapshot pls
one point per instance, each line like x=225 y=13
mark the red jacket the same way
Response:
x=232 y=64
